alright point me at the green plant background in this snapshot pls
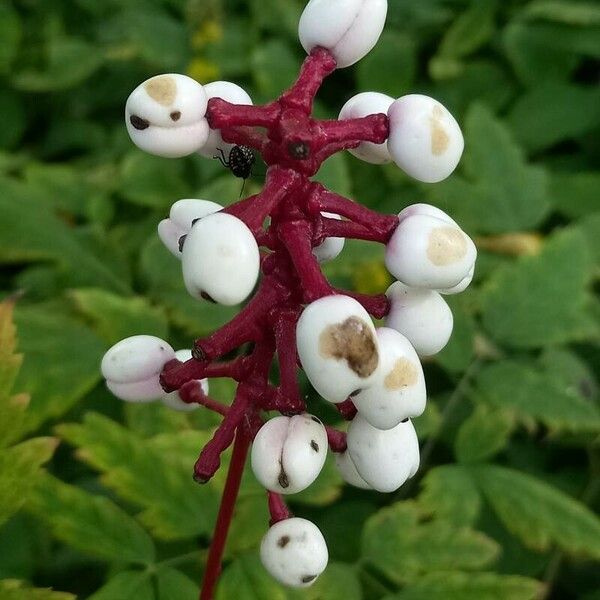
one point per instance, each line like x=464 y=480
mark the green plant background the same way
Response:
x=504 y=506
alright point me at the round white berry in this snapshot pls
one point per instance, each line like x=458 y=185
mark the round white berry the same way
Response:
x=420 y=315
x=462 y=285
x=337 y=346
x=427 y=252
x=165 y=115
x=231 y=93
x=180 y=220
x=288 y=453
x=363 y=105
x=384 y=459
x=220 y=259
x=425 y=140
x=348 y=471
x=425 y=209
x=294 y=552
x=348 y=28
x=331 y=246
x=172 y=399
x=133 y=365
x=399 y=391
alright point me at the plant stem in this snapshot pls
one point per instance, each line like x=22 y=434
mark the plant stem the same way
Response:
x=230 y=493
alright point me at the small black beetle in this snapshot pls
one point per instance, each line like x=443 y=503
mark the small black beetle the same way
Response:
x=241 y=161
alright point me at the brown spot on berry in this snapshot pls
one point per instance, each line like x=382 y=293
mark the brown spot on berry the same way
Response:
x=175 y=115
x=162 y=89
x=314 y=445
x=403 y=374
x=353 y=341
x=439 y=137
x=283 y=480
x=139 y=123
x=447 y=245
x=283 y=541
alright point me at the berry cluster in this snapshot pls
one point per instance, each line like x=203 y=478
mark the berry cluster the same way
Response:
x=372 y=375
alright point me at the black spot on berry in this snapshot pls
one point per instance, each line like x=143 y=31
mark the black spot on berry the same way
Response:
x=181 y=242
x=175 y=115
x=283 y=541
x=404 y=420
x=355 y=393
x=316 y=420
x=314 y=445
x=307 y=578
x=283 y=480
x=207 y=297
x=138 y=122
x=194 y=221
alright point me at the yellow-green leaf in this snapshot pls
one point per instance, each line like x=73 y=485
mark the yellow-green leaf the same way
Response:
x=12 y=589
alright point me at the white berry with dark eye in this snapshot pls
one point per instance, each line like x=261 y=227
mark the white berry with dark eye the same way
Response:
x=294 y=552
x=288 y=453
x=165 y=115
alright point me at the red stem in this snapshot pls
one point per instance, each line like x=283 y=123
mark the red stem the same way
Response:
x=336 y=439
x=277 y=508
x=228 y=500
x=192 y=393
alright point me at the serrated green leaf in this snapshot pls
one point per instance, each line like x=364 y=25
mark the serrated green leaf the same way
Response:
x=115 y=317
x=532 y=394
x=127 y=584
x=11 y=589
x=174 y=585
x=396 y=52
x=274 y=67
x=19 y=472
x=157 y=478
x=457 y=355
x=503 y=193
x=93 y=524
x=575 y=194
x=471 y=586
x=540 y=299
x=539 y=514
x=449 y=494
x=403 y=548
x=61 y=363
x=552 y=113
x=483 y=434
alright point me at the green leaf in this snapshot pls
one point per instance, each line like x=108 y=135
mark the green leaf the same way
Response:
x=457 y=355
x=175 y=507
x=403 y=548
x=483 y=434
x=274 y=67
x=114 y=317
x=93 y=524
x=590 y=227
x=12 y=406
x=174 y=585
x=538 y=514
x=151 y=181
x=19 y=472
x=449 y=494
x=396 y=54
x=62 y=361
x=575 y=194
x=246 y=579
x=11 y=32
x=334 y=174
x=29 y=231
x=11 y=589
x=471 y=586
x=504 y=192
x=540 y=299
x=532 y=394
x=337 y=581
x=127 y=584
x=552 y=113
x=11 y=108
x=561 y=11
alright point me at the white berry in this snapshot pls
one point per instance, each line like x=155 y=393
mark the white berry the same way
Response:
x=425 y=140
x=165 y=116
x=348 y=28
x=172 y=399
x=179 y=223
x=399 y=391
x=337 y=346
x=362 y=105
x=294 y=552
x=462 y=285
x=231 y=93
x=331 y=246
x=425 y=209
x=421 y=315
x=384 y=459
x=133 y=365
x=288 y=453
x=220 y=259
x=348 y=471
x=427 y=252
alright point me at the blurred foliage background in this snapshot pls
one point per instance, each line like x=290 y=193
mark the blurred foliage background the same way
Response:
x=505 y=504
